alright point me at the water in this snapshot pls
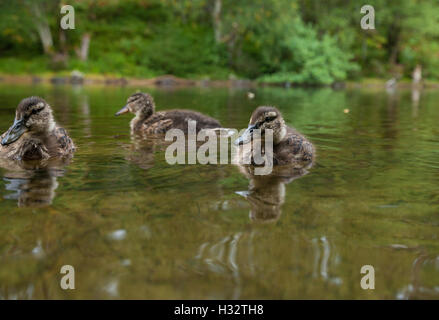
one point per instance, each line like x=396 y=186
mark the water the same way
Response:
x=134 y=226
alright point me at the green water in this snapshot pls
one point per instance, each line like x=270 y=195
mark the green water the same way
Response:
x=134 y=226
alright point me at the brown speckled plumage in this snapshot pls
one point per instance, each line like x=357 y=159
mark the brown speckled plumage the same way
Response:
x=294 y=147
x=289 y=146
x=149 y=122
x=42 y=138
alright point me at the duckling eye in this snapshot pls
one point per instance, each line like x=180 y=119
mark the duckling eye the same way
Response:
x=35 y=111
x=134 y=100
x=268 y=118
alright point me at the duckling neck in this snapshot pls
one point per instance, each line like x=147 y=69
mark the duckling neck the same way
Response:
x=279 y=135
x=140 y=118
x=51 y=126
x=42 y=132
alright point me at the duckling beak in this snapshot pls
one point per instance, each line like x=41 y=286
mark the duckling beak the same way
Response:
x=122 y=111
x=14 y=133
x=246 y=137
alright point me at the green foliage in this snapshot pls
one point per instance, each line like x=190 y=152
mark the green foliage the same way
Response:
x=406 y=34
x=14 y=65
x=311 y=60
x=298 y=41
x=176 y=50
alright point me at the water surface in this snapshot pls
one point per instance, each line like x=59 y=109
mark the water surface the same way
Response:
x=134 y=226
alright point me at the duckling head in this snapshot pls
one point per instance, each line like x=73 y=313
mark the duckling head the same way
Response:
x=141 y=104
x=264 y=118
x=33 y=116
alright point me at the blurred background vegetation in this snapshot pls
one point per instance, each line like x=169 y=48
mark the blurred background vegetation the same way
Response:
x=297 y=41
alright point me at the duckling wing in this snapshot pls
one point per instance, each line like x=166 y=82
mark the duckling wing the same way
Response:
x=64 y=144
x=294 y=148
x=158 y=123
x=161 y=122
x=202 y=121
x=180 y=120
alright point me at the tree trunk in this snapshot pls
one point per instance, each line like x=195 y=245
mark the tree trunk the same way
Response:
x=43 y=29
x=216 y=15
x=46 y=38
x=417 y=75
x=63 y=41
x=393 y=39
x=82 y=52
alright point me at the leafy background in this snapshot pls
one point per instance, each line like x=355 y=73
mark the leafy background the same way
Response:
x=297 y=41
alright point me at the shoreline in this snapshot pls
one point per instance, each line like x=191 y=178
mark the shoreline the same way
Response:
x=173 y=81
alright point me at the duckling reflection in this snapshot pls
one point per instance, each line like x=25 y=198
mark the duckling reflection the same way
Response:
x=142 y=149
x=31 y=184
x=266 y=194
x=141 y=152
x=32 y=189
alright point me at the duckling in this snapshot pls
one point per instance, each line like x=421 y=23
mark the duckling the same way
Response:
x=148 y=121
x=289 y=146
x=34 y=134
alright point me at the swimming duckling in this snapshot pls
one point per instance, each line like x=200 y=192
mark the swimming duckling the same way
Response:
x=34 y=134
x=289 y=146
x=148 y=121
